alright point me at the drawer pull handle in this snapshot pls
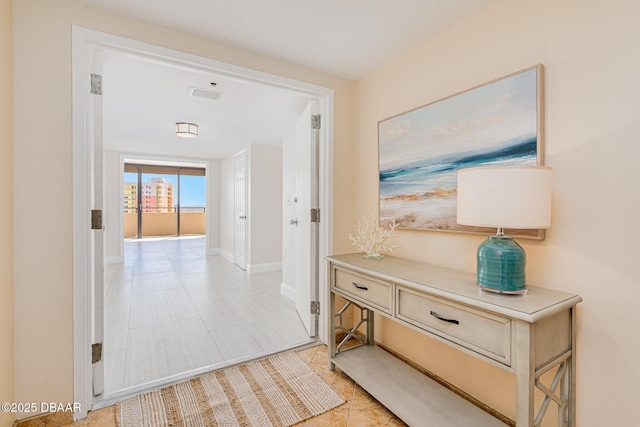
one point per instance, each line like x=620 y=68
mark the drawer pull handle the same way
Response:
x=364 y=288
x=437 y=316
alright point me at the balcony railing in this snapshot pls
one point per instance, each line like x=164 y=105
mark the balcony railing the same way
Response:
x=163 y=221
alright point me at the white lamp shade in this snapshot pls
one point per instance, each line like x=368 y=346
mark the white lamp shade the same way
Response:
x=505 y=196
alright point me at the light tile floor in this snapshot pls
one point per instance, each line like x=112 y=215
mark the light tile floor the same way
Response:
x=360 y=409
x=170 y=309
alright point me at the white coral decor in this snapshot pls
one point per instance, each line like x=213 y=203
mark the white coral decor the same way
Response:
x=371 y=237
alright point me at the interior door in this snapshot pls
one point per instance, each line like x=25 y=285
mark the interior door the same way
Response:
x=240 y=210
x=306 y=232
x=97 y=200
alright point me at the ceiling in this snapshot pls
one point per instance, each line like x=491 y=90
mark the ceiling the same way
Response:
x=143 y=100
x=346 y=38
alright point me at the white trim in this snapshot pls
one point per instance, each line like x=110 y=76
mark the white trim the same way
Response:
x=225 y=255
x=113 y=260
x=325 y=249
x=82 y=392
x=265 y=267
x=288 y=291
x=86 y=42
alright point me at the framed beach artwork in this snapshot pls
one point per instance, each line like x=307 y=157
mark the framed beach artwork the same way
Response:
x=421 y=151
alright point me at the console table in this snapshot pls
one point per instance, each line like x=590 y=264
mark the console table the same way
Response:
x=528 y=335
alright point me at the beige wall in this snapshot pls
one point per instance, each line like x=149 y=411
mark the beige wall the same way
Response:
x=6 y=212
x=590 y=51
x=43 y=250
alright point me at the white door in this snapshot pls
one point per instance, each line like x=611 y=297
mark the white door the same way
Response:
x=240 y=210
x=97 y=202
x=306 y=231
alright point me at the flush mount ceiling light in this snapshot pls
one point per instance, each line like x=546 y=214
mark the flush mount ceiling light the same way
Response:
x=186 y=130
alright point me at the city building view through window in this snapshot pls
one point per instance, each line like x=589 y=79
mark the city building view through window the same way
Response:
x=164 y=201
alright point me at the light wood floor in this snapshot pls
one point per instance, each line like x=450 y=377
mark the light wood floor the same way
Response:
x=360 y=409
x=169 y=304
x=171 y=309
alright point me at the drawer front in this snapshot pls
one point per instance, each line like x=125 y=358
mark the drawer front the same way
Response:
x=368 y=290
x=476 y=330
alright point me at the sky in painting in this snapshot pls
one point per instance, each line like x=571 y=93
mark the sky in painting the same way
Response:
x=483 y=118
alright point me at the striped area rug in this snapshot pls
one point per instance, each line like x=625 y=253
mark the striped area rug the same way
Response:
x=278 y=391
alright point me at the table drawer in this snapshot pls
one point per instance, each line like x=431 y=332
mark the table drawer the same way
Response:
x=476 y=330
x=368 y=290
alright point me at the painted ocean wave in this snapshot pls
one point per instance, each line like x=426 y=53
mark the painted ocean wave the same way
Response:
x=437 y=175
x=521 y=148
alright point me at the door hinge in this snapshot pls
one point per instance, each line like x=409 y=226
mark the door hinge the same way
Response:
x=315 y=307
x=96 y=219
x=315 y=215
x=96 y=84
x=96 y=352
x=315 y=121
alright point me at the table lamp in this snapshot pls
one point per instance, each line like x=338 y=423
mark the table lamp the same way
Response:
x=504 y=197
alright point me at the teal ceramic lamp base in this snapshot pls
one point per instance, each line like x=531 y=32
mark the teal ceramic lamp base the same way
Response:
x=501 y=265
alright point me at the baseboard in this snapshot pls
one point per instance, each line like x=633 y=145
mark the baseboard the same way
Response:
x=113 y=260
x=213 y=251
x=288 y=291
x=263 y=268
x=225 y=255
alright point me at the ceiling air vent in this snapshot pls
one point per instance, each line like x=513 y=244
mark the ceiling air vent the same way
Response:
x=203 y=93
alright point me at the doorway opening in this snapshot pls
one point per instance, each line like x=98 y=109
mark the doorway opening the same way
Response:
x=87 y=46
x=162 y=200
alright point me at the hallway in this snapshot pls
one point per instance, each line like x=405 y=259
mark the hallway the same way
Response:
x=170 y=309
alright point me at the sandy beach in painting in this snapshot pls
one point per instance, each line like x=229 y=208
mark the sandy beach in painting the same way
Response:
x=424 y=196
x=423 y=206
x=431 y=210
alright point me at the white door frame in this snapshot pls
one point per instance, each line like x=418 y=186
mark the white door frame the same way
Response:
x=86 y=43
